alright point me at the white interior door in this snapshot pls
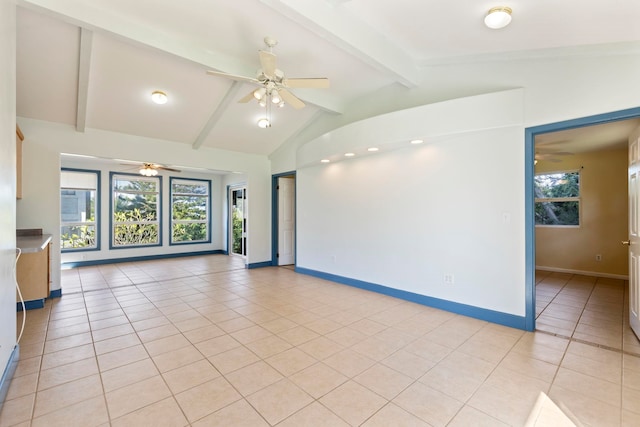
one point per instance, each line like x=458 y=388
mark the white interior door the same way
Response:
x=634 y=237
x=286 y=220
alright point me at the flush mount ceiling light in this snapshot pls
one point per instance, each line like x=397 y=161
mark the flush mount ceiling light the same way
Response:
x=325 y=161
x=498 y=17
x=264 y=123
x=349 y=154
x=159 y=97
x=372 y=149
x=417 y=141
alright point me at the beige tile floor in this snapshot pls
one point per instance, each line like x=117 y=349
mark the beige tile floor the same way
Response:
x=201 y=341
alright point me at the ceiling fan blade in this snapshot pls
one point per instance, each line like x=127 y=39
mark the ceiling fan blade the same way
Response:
x=247 y=98
x=268 y=63
x=316 y=83
x=291 y=99
x=233 y=76
x=167 y=168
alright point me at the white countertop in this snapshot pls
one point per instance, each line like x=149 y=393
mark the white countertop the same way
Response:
x=33 y=244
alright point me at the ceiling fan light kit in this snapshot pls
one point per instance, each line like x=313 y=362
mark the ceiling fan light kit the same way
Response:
x=274 y=87
x=148 y=171
x=498 y=17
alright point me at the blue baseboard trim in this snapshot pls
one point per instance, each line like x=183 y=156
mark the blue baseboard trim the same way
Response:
x=7 y=375
x=492 y=316
x=75 y=264
x=259 y=264
x=30 y=305
x=55 y=293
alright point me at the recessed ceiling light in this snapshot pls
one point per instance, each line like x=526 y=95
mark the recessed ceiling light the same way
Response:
x=159 y=97
x=349 y=154
x=498 y=17
x=372 y=149
x=325 y=161
x=417 y=141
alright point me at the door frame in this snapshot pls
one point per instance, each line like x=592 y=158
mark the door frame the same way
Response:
x=230 y=188
x=529 y=204
x=274 y=216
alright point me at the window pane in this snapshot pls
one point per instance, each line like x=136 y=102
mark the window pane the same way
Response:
x=135 y=234
x=557 y=213
x=135 y=207
x=183 y=188
x=565 y=184
x=135 y=184
x=78 y=209
x=78 y=236
x=189 y=232
x=189 y=208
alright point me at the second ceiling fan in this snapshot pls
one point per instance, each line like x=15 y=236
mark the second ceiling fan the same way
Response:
x=273 y=85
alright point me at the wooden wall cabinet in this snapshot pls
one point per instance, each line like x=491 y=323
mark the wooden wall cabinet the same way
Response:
x=19 y=139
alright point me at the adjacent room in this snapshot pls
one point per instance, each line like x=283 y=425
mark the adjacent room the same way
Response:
x=332 y=212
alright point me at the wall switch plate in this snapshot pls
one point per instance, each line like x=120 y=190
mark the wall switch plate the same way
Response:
x=448 y=279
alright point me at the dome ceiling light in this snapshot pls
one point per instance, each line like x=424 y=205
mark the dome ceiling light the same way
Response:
x=498 y=17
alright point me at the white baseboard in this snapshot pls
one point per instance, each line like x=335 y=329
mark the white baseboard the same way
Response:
x=583 y=273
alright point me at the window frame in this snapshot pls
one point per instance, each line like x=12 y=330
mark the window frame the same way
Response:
x=207 y=182
x=112 y=177
x=577 y=199
x=96 y=223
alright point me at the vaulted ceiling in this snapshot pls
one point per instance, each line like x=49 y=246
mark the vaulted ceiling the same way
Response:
x=94 y=63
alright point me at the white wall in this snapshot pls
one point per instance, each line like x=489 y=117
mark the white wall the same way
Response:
x=355 y=209
x=7 y=180
x=406 y=217
x=44 y=141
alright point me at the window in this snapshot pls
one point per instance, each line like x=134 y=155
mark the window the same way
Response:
x=190 y=218
x=135 y=210
x=557 y=198
x=79 y=204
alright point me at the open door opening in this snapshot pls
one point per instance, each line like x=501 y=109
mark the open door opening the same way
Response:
x=601 y=284
x=238 y=221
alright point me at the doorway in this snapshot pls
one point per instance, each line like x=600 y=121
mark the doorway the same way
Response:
x=237 y=221
x=530 y=154
x=284 y=219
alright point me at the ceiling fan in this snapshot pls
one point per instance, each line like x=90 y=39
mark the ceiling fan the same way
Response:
x=550 y=156
x=273 y=85
x=151 y=169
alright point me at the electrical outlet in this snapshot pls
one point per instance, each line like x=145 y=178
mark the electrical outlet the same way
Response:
x=598 y=257
x=448 y=279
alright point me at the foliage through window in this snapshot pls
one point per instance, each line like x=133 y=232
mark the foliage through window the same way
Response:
x=557 y=198
x=190 y=211
x=135 y=210
x=78 y=210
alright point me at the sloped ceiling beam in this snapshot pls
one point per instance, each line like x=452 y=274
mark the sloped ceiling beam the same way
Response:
x=215 y=117
x=84 y=65
x=351 y=35
x=85 y=15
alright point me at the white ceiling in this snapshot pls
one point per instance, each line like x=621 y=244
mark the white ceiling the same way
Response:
x=94 y=63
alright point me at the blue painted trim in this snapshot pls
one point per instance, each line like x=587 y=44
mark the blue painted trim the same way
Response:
x=30 y=305
x=57 y=293
x=530 y=134
x=209 y=228
x=274 y=215
x=498 y=317
x=159 y=178
x=8 y=373
x=98 y=210
x=258 y=265
x=137 y=258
